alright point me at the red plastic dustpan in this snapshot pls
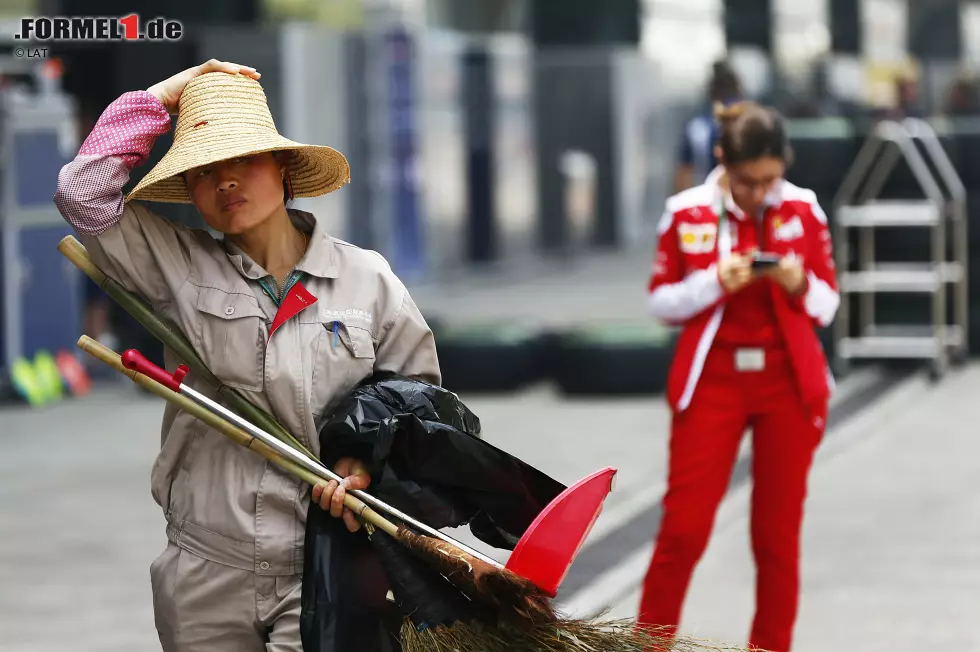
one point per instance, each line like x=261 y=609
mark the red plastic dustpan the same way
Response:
x=549 y=546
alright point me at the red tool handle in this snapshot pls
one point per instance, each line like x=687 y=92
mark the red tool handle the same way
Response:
x=136 y=361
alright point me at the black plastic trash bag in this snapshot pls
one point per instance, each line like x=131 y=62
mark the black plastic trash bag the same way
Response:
x=421 y=446
x=344 y=605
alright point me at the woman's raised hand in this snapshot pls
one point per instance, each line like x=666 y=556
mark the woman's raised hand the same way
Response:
x=168 y=91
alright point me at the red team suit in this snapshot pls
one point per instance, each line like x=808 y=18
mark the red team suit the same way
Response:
x=749 y=359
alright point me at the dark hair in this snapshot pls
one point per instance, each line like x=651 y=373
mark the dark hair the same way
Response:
x=750 y=131
x=285 y=157
x=725 y=85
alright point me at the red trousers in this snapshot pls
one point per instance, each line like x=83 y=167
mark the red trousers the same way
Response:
x=704 y=443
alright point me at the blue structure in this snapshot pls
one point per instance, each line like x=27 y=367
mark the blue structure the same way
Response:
x=40 y=291
x=407 y=223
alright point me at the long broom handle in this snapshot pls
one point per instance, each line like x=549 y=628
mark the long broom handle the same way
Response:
x=236 y=434
x=76 y=252
x=135 y=361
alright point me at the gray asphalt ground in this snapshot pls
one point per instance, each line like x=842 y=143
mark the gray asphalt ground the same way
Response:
x=891 y=561
x=891 y=555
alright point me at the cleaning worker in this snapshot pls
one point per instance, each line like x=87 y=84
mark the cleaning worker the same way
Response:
x=277 y=308
x=744 y=266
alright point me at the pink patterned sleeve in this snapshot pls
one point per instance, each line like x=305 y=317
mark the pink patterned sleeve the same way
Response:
x=89 y=191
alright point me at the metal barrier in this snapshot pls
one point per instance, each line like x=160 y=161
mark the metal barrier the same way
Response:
x=856 y=207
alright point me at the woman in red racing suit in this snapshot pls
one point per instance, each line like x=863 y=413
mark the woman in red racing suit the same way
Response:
x=747 y=357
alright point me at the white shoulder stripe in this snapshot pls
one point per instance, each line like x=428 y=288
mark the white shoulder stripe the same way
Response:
x=792 y=192
x=696 y=197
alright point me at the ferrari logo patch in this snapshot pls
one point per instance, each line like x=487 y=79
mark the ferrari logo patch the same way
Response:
x=697 y=238
x=785 y=230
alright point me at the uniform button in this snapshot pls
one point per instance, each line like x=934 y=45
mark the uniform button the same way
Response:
x=264 y=565
x=230 y=310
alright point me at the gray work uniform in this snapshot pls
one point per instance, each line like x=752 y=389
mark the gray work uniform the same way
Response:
x=230 y=578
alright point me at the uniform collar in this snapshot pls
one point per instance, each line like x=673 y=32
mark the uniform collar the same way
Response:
x=320 y=259
x=722 y=197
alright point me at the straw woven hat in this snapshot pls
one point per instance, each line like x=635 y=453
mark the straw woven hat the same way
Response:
x=222 y=116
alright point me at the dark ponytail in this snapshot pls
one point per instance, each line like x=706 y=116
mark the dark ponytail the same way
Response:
x=749 y=132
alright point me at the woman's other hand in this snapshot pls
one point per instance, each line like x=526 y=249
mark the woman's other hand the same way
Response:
x=735 y=272
x=330 y=495
x=789 y=274
x=168 y=91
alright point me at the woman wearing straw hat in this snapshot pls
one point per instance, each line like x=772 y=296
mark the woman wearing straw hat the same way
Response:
x=277 y=309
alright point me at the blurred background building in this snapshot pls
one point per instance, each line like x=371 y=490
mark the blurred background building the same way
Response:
x=491 y=135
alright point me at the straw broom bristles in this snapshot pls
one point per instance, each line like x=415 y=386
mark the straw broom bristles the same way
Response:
x=581 y=635
x=513 y=595
x=438 y=616
x=567 y=636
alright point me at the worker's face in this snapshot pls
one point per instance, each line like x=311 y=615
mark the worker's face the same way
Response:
x=236 y=195
x=751 y=181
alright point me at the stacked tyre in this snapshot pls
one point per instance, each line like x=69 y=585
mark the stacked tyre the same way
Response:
x=603 y=360
x=613 y=360
x=489 y=358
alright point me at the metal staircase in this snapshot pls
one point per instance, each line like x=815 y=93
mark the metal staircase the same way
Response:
x=857 y=207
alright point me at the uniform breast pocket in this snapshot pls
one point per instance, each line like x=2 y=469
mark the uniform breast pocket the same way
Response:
x=344 y=357
x=231 y=337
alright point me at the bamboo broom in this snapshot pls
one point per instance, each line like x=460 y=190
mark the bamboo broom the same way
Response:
x=171 y=337
x=533 y=627
x=461 y=636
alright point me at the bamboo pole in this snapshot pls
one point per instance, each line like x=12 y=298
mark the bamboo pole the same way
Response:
x=171 y=336
x=236 y=434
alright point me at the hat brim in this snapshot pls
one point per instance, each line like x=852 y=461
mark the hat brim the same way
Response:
x=314 y=170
